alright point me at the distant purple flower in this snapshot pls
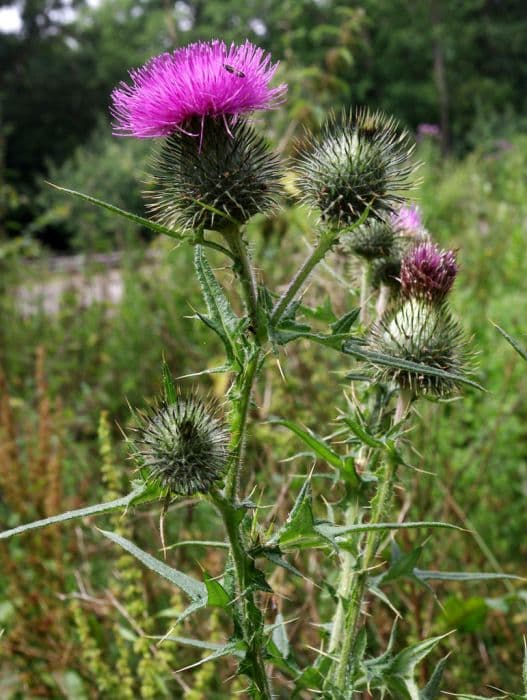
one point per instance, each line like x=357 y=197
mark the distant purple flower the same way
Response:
x=428 y=272
x=431 y=130
x=198 y=81
x=408 y=222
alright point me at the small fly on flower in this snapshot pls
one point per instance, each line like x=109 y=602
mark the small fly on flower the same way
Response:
x=234 y=71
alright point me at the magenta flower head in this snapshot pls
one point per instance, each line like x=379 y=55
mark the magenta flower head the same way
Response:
x=205 y=79
x=428 y=273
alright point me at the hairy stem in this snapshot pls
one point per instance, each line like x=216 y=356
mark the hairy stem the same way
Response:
x=245 y=272
x=242 y=392
x=326 y=240
x=364 y=293
x=356 y=581
x=250 y=620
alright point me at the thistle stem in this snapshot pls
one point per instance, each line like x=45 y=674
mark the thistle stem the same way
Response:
x=356 y=581
x=245 y=271
x=382 y=300
x=326 y=240
x=250 y=619
x=240 y=412
x=364 y=293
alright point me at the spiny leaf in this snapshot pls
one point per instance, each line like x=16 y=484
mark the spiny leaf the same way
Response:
x=433 y=687
x=463 y=576
x=345 y=322
x=157 y=228
x=222 y=318
x=141 y=494
x=522 y=352
x=217 y=596
x=351 y=348
x=196 y=590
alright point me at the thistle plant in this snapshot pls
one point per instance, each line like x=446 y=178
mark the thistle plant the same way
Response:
x=212 y=172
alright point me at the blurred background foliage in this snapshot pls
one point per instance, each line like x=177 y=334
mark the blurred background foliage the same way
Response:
x=73 y=610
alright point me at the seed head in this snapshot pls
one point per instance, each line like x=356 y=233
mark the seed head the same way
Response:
x=234 y=173
x=428 y=273
x=425 y=334
x=205 y=79
x=362 y=160
x=184 y=446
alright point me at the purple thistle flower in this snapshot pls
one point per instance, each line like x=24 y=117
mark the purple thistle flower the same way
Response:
x=200 y=80
x=408 y=222
x=428 y=272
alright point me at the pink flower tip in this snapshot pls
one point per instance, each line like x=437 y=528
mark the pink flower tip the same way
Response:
x=428 y=272
x=205 y=79
x=408 y=221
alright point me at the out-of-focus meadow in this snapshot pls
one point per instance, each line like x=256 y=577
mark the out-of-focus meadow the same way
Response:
x=82 y=340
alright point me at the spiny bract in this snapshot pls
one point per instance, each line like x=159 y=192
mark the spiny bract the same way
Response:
x=422 y=333
x=374 y=239
x=184 y=445
x=209 y=183
x=361 y=161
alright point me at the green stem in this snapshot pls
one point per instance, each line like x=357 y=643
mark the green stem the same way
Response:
x=356 y=582
x=251 y=624
x=240 y=412
x=245 y=273
x=365 y=293
x=326 y=240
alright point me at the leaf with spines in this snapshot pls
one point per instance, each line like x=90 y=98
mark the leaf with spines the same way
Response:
x=433 y=687
x=143 y=493
x=195 y=590
x=522 y=352
x=221 y=317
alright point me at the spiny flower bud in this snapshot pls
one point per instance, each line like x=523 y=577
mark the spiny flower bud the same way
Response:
x=425 y=334
x=233 y=173
x=362 y=161
x=373 y=240
x=184 y=445
x=428 y=272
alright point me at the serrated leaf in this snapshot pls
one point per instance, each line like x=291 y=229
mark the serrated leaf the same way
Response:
x=236 y=648
x=141 y=221
x=133 y=498
x=196 y=590
x=362 y=433
x=377 y=358
x=221 y=318
x=433 y=687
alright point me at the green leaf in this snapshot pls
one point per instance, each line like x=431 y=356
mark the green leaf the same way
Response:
x=217 y=596
x=315 y=443
x=279 y=636
x=377 y=358
x=298 y=530
x=134 y=498
x=345 y=322
x=433 y=687
x=221 y=318
x=168 y=385
x=235 y=648
x=157 y=228
x=400 y=674
x=329 y=530
x=423 y=575
x=524 y=667
x=196 y=590
x=403 y=565
x=361 y=432
x=522 y=352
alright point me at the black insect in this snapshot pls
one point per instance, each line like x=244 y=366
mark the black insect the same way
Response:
x=233 y=70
